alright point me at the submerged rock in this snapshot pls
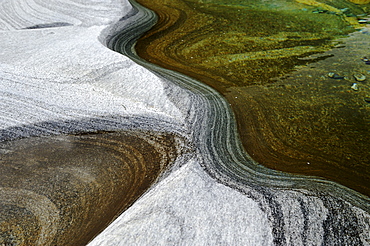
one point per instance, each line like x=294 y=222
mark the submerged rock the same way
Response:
x=354 y=87
x=64 y=190
x=335 y=76
x=359 y=77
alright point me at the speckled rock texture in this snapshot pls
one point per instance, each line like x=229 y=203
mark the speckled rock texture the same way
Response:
x=84 y=131
x=58 y=77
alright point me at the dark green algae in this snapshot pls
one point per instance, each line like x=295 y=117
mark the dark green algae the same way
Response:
x=270 y=59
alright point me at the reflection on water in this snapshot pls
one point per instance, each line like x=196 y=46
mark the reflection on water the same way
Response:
x=296 y=111
x=64 y=190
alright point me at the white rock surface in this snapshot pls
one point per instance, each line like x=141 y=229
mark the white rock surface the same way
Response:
x=20 y=14
x=65 y=73
x=189 y=208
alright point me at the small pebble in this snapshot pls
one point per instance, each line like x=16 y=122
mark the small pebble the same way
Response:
x=366 y=60
x=331 y=75
x=354 y=87
x=359 y=77
x=335 y=76
x=319 y=11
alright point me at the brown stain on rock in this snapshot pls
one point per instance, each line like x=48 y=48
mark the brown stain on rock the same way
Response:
x=291 y=116
x=64 y=190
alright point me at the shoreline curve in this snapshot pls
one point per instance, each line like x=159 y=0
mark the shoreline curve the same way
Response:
x=224 y=157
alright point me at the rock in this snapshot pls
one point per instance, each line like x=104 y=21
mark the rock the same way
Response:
x=335 y=76
x=354 y=87
x=66 y=189
x=58 y=187
x=359 y=77
x=366 y=60
x=59 y=81
x=331 y=75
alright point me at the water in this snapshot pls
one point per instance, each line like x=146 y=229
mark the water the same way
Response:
x=271 y=61
x=64 y=190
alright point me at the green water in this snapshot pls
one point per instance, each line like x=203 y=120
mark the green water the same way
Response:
x=271 y=60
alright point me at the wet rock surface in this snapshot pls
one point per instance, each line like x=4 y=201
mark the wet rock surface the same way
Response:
x=64 y=190
x=84 y=132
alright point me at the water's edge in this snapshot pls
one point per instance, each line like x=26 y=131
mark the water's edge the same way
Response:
x=214 y=130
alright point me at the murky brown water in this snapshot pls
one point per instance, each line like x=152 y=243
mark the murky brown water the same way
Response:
x=259 y=54
x=64 y=190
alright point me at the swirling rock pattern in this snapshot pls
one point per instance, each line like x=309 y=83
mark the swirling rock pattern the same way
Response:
x=23 y=14
x=62 y=80
x=219 y=215
x=57 y=85
x=58 y=82
x=306 y=124
x=296 y=210
x=64 y=190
